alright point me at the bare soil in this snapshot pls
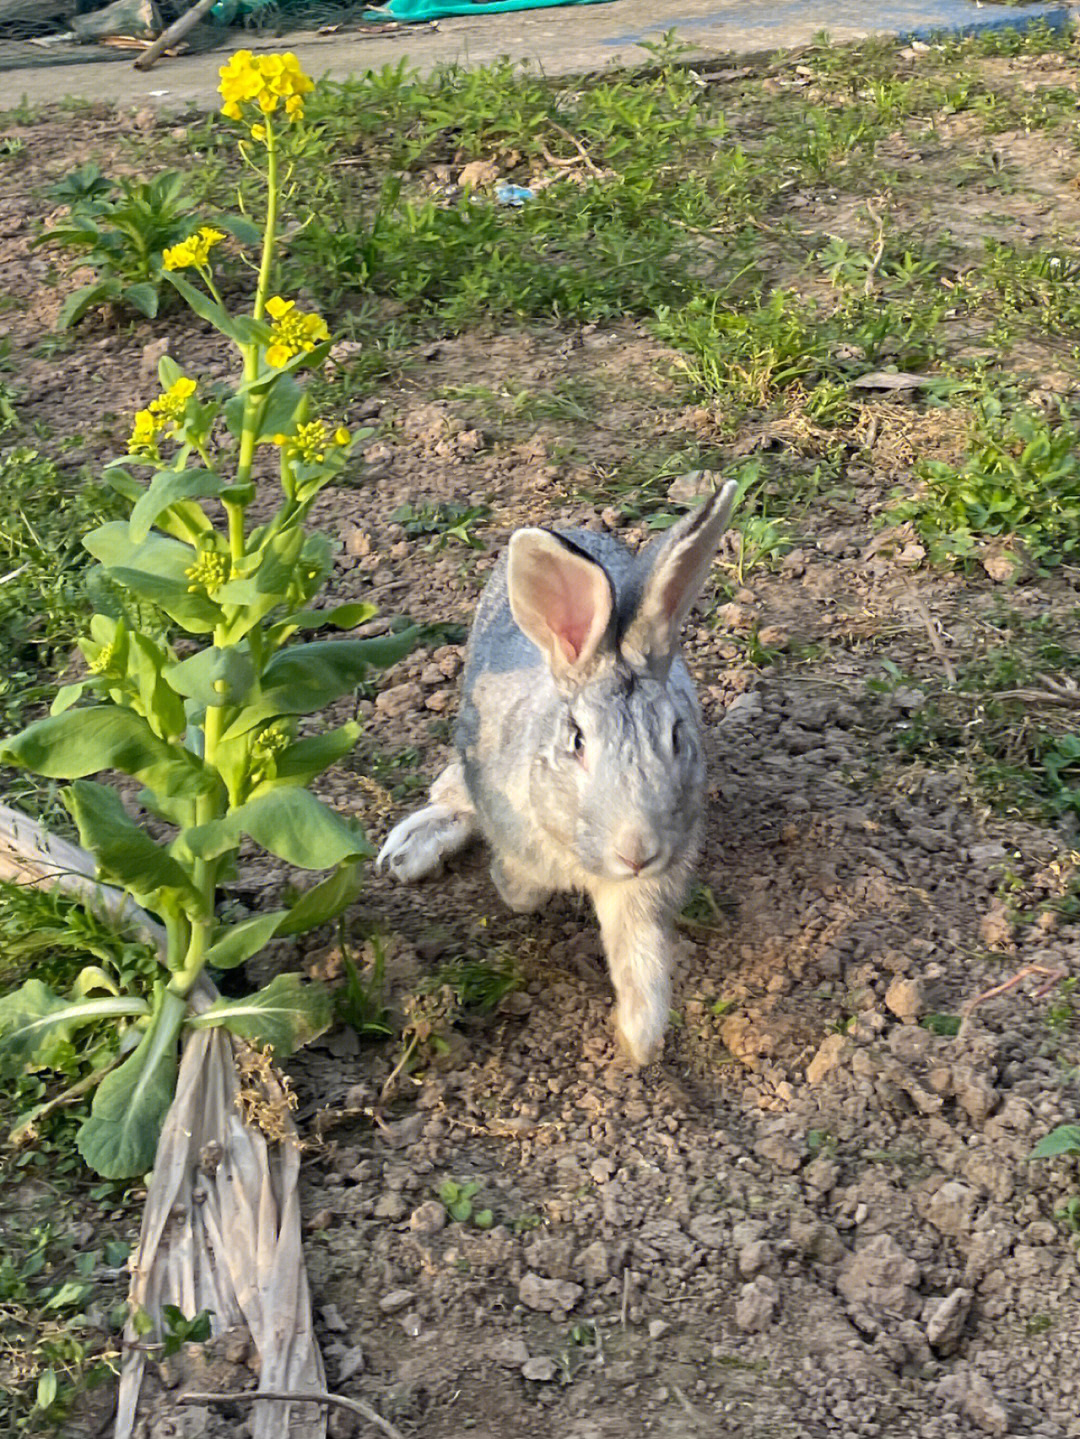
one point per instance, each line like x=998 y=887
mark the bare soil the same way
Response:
x=815 y=1216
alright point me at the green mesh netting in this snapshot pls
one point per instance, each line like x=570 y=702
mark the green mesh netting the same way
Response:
x=433 y=9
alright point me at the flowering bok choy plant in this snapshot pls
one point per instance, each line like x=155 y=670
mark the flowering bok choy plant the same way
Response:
x=210 y=730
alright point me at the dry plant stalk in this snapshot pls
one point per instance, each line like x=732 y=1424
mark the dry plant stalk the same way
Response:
x=221 y=1225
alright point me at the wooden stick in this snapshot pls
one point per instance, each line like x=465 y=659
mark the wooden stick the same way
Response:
x=176 y=31
x=252 y=1396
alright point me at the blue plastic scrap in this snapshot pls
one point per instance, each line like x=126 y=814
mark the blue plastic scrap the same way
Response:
x=516 y=195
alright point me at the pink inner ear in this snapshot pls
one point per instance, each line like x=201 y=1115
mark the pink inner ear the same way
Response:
x=569 y=604
x=560 y=599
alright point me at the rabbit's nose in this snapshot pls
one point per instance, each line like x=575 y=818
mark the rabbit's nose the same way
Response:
x=635 y=852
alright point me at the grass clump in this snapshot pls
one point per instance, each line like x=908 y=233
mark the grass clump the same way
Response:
x=1020 y=479
x=44 y=515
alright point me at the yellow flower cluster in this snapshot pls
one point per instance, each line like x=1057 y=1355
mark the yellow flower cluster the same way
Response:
x=163 y=414
x=104 y=659
x=194 y=252
x=268 y=81
x=209 y=572
x=292 y=331
x=311 y=441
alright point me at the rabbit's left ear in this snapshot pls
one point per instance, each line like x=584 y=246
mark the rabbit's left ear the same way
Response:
x=560 y=598
x=678 y=568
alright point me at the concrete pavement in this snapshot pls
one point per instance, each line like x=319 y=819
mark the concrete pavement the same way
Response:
x=561 y=41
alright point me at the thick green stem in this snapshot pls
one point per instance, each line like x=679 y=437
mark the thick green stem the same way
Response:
x=204 y=872
x=262 y=289
x=253 y=403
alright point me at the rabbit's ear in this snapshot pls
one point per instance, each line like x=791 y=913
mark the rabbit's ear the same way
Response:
x=559 y=597
x=678 y=568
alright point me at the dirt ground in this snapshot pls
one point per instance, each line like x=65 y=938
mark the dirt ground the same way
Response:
x=815 y=1216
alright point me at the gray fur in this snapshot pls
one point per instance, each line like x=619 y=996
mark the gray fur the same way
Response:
x=583 y=770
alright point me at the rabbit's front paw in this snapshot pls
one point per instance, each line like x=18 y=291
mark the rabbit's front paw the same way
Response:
x=416 y=848
x=640 y=1031
x=516 y=890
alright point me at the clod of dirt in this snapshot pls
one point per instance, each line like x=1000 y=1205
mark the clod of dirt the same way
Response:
x=757 y=1304
x=548 y=1295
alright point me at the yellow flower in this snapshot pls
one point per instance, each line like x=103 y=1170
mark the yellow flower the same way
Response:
x=143 y=441
x=171 y=405
x=311 y=441
x=194 y=252
x=258 y=132
x=163 y=414
x=293 y=331
x=104 y=659
x=264 y=81
x=209 y=572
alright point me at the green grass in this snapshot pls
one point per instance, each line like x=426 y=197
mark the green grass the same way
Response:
x=44 y=514
x=1020 y=479
x=1023 y=756
x=61 y=1299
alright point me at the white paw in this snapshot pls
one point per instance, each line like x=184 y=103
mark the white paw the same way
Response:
x=416 y=848
x=516 y=891
x=640 y=1030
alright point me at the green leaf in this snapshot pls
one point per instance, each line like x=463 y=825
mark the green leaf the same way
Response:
x=305 y=678
x=77 y=304
x=143 y=297
x=300 y=829
x=67 y=695
x=120 y=1138
x=164 y=490
x=168 y=372
x=236 y=943
x=275 y=572
x=290 y=823
x=240 y=227
x=323 y=901
x=1065 y=1139
x=206 y=841
x=154 y=570
x=125 y=852
x=214 y=676
x=285 y=1015
x=342 y=617
x=36 y=1024
x=208 y=309
x=68 y=1295
x=146 y=662
x=85 y=741
x=46 y=1389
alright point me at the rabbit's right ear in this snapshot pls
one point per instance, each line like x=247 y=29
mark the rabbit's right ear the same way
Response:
x=678 y=567
x=560 y=598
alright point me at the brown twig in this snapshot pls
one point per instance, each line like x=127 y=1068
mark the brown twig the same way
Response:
x=176 y=31
x=338 y=1401
x=578 y=146
x=392 y=1078
x=872 y=209
x=1057 y=692
x=935 y=638
x=1052 y=976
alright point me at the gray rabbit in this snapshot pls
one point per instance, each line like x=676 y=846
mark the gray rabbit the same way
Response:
x=580 y=756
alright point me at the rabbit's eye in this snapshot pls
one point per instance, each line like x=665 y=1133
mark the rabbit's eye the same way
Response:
x=577 y=741
x=678 y=741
